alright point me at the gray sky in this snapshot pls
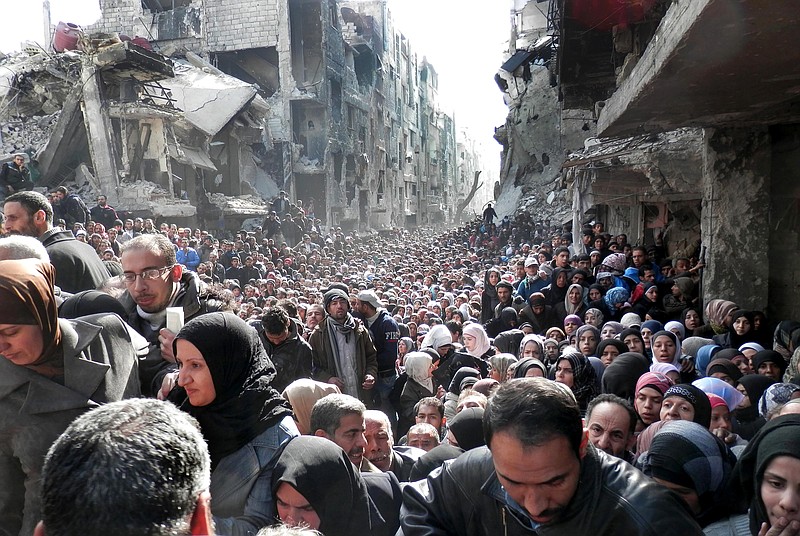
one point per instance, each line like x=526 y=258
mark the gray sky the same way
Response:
x=463 y=39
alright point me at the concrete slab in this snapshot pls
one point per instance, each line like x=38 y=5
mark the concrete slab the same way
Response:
x=713 y=63
x=208 y=100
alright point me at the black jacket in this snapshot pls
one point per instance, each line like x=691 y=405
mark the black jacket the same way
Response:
x=77 y=265
x=292 y=357
x=14 y=178
x=465 y=498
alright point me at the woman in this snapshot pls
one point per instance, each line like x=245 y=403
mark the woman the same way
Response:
x=718 y=316
x=315 y=485
x=748 y=421
x=691 y=320
x=685 y=402
x=530 y=367
x=633 y=340
x=768 y=473
x=611 y=330
x=650 y=390
x=531 y=346
x=52 y=371
x=739 y=332
x=594 y=317
x=489 y=299
x=499 y=365
x=574 y=370
x=609 y=349
x=687 y=459
x=404 y=346
x=587 y=337
x=556 y=291
x=677 y=328
x=302 y=394
x=648 y=328
x=621 y=376
x=649 y=299
x=465 y=431
x=224 y=383
x=477 y=350
x=573 y=303
x=419 y=385
x=571 y=325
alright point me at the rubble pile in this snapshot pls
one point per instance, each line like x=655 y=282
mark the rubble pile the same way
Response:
x=241 y=205
x=26 y=135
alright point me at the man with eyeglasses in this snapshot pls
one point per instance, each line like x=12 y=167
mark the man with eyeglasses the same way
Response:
x=154 y=281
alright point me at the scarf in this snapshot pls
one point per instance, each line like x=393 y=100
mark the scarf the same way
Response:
x=245 y=404
x=695 y=397
x=418 y=368
x=676 y=356
x=341 y=332
x=28 y=298
x=584 y=378
x=322 y=473
x=716 y=312
x=622 y=374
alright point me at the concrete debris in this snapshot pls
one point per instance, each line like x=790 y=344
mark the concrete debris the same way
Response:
x=241 y=205
x=26 y=136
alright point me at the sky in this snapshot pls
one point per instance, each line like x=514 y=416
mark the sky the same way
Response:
x=464 y=40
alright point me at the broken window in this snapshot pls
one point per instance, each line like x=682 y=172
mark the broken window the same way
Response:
x=156 y=6
x=333 y=14
x=257 y=66
x=307 y=54
x=365 y=66
x=336 y=100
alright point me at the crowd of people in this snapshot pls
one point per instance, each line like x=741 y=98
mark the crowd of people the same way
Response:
x=495 y=378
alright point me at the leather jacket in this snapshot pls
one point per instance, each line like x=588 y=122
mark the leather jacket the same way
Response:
x=465 y=498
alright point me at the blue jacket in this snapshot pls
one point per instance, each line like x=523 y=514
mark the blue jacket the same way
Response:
x=189 y=258
x=385 y=335
x=241 y=484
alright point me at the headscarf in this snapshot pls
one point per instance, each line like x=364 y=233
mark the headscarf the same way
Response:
x=485 y=386
x=322 y=473
x=685 y=453
x=706 y=354
x=616 y=343
x=664 y=368
x=775 y=396
x=754 y=386
x=717 y=311
x=685 y=285
x=616 y=326
x=584 y=378
x=653 y=325
x=685 y=312
x=409 y=343
x=629 y=320
x=622 y=374
x=433 y=459
x=245 y=404
x=568 y=305
x=722 y=389
x=724 y=365
x=779 y=437
x=90 y=302
x=690 y=345
x=695 y=397
x=418 y=366
x=735 y=339
x=672 y=324
x=654 y=380
x=631 y=331
x=302 y=394
x=482 y=344
x=598 y=316
x=664 y=333
x=574 y=319
x=531 y=338
x=501 y=362
x=467 y=427
x=460 y=375
x=752 y=346
x=28 y=298
x=525 y=364
x=583 y=329
x=783 y=336
x=768 y=355
x=615 y=296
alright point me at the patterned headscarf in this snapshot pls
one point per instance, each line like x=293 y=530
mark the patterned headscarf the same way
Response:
x=775 y=396
x=584 y=382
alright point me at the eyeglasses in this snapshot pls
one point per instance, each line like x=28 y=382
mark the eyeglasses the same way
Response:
x=147 y=275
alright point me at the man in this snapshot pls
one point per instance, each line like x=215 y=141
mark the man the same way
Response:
x=14 y=176
x=504 y=294
x=249 y=271
x=154 y=281
x=205 y=249
x=234 y=272
x=78 y=267
x=430 y=410
x=73 y=209
x=423 y=436
x=102 y=213
x=342 y=350
x=112 y=240
x=340 y=418
x=289 y=352
x=586 y=245
x=385 y=334
x=641 y=260
x=380 y=449
x=489 y=214
x=539 y=475
x=561 y=258
x=532 y=282
x=611 y=422
x=216 y=270
x=104 y=476
x=186 y=256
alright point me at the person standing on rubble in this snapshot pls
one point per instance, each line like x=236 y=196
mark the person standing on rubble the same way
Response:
x=15 y=176
x=73 y=209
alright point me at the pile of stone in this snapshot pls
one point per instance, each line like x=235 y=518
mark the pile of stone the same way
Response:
x=26 y=135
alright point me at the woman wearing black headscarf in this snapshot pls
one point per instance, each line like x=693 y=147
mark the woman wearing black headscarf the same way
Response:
x=51 y=371
x=224 y=383
x=739 y=332
x=316 y=472
x=576 y=372
x=465 y=430
x=622 y=374
x=748 y=421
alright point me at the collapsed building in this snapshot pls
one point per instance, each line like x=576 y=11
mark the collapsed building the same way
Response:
x=691 y=131
x=223 y=104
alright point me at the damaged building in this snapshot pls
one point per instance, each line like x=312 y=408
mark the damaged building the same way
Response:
x=223 y=104
x=691 y=131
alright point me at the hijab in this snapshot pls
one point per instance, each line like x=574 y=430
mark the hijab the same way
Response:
x=302 y=394
x=28 y=298
x=583 y=329
x=526 y=364
x=706 y=354
x=621 y=347
x=717 y=311
x=722 y=389
x=695 y=397
x=737 y=340
x=779 y=437
x=676 y=356
x=768 y=356
x=467 y=427
x=584 y=378
x=322 y=473
x=432 y=459
x=598 y=316
x=616 y=296
x=246 y=404
x=537 y=339
x=418 y=367
x=685 y=453
x=783 y=336
x=726 y=366
x=654 y=380
x=775 y=396
x=501 y=362
x=570 y=307
x=460 y=375
x=482 y=344
x=672 y=324
x=622 y=374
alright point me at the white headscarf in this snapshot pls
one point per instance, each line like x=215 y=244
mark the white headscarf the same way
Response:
x=418 y=368
x=482 y=344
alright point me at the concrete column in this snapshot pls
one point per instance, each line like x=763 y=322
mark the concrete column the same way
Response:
x=735 y=216
x=99 y=131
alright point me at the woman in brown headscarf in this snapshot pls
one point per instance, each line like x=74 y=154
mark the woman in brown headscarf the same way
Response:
x=51 y=371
